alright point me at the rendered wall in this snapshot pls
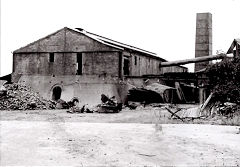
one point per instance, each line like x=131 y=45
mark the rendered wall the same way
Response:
x=87 y=88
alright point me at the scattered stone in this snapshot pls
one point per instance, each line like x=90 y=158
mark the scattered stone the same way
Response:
x=22 y=97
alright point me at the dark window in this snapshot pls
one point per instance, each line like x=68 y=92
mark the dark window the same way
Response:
x=159 y=66
x=79 y=63
x=135 y=60
x=51 y=57
x=126 y=67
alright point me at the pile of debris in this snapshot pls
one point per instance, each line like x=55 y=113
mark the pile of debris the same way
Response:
x=212 y=110
x=153 y=93
x=22 y=97
x=108 y=105
x=225 y=109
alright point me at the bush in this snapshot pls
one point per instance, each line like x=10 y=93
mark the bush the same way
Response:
x=224 y=80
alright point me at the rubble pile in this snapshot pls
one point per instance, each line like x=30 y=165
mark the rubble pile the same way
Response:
x=22 y=97
x=108 y=105
x=226 y=109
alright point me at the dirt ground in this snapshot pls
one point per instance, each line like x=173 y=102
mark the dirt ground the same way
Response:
x=128 y=138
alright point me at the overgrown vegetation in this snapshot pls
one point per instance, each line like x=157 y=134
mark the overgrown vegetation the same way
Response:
x=224 y=79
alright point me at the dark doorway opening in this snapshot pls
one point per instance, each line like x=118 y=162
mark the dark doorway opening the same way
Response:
x=57 y=91
x=125 y=66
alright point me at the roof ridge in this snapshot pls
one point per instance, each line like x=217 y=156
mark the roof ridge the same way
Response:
x=84 y=33
x=120 y=42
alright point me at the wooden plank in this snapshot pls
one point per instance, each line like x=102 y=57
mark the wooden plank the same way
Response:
x=206 y=102
x=174 y=114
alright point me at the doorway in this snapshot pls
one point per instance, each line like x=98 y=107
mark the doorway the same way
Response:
x=56 y=93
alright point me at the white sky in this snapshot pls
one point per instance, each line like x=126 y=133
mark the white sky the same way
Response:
x=166 y=27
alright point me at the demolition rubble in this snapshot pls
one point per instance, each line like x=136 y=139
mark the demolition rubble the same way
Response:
x=21 y=97
x=108 y=105
x=154 y=96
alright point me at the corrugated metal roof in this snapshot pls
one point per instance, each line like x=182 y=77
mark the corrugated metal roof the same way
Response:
x=103 y=40
x=82 y=31
x=114 y=43
x=159 y=88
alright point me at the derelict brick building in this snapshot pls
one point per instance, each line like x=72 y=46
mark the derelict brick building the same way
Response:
x=76 y=63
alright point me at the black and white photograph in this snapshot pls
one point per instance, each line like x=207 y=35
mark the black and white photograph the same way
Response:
x=139 y=83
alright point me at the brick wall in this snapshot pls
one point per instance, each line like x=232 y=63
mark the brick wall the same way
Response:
x=99 y=63
x=65 y=44
x=142 y=65
x=203 y=44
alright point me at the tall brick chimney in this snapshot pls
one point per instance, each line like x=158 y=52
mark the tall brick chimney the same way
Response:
x=203 y=44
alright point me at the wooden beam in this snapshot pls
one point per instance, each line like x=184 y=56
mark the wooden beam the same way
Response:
x=173 y=113
x=237 y=49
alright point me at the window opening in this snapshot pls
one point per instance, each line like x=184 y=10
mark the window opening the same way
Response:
x=51 y=57
x=79 y=63
x=126 y=67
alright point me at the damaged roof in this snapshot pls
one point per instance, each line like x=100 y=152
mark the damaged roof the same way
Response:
x=159 y=88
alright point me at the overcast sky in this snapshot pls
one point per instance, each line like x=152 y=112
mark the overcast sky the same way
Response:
x=166 y=27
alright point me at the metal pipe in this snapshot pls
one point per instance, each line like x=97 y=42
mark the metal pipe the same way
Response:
x=196 y=60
